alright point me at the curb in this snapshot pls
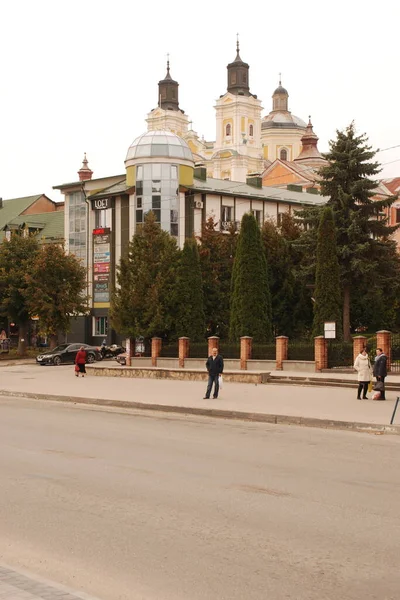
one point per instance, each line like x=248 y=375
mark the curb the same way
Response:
x=216 y=413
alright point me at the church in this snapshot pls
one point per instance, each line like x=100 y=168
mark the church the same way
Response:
x=246 y=142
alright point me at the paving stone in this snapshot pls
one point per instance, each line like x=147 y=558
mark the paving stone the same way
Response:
x=15 y=585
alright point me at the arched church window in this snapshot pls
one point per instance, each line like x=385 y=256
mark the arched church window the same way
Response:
x=228 y=130
x=283 y=154
x=251 y=130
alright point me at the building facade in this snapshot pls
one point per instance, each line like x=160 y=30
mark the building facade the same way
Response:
x=102 y=215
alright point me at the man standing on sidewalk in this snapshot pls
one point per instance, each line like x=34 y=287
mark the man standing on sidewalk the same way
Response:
x=380 y=369
x=215 y=368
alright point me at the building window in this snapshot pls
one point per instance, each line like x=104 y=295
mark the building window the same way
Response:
x=227 y=214
x=228 y=130
x=397 y=215
x=100 y=326
x=257 y=215
x=102 y=218
x=251 y=131
x=159 y=193
x=283 y=154
x=77 y=225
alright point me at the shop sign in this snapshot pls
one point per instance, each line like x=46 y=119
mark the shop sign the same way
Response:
x=102 y=203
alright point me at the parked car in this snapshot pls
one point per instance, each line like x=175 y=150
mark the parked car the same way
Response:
x=65 y=353
x=121 y=359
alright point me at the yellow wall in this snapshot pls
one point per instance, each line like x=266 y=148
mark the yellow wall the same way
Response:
x=185 y=175
x=130 y=176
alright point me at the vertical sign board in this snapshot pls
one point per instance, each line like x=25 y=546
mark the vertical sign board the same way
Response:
x=330 y=330
x=101 y=265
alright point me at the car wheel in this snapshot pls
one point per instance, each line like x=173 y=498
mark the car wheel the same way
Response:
x=57 y=361
x=91 y=358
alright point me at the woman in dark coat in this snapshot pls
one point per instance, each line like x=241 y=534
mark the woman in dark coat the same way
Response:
x=80 y=362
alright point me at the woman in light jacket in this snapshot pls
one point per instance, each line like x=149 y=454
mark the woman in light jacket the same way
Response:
x=364 y=373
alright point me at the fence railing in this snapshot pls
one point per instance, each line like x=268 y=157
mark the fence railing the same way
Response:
x=340 y=354
x=264 y=351
x=302 y=350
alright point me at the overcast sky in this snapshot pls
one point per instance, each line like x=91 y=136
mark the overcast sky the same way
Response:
x=81 y=75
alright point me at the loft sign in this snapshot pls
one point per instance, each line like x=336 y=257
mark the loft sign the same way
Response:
x=101 y=203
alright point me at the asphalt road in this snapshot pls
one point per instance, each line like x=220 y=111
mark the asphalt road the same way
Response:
x=124 y=505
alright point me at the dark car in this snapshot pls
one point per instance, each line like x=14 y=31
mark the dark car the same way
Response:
x=65 y=353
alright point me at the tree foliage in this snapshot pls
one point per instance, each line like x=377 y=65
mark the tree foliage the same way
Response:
x=143 y=301
x=217 y=252
x=17 y=258
x=189 y=303
x=250 y=294
x=56 y=290
x=327 y=293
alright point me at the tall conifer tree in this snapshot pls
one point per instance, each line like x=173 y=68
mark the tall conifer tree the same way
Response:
x=327 y=293
x=250 y=294
x=189 y=294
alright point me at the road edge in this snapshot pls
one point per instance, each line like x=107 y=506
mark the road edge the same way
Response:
x=272 y=419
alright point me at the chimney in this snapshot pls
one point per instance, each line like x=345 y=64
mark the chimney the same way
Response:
x=254 y=179
x=84 y=172
x=200 y=172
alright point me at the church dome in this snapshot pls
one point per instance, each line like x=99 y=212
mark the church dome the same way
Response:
x=160 y=143
x=280 y=90
x=282 y=120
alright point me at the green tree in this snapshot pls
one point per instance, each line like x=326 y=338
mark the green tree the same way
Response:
x=190 y=319
x=360 y=220
x=17 y=257
x=56 y=290
x=327 y=293
x=143 y=301
x=281 y=279
x=250 y=294
x=217 y=251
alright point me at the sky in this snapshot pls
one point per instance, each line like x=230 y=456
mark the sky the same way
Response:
x=81 y=75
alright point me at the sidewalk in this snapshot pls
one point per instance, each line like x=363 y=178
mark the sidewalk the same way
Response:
x=275 y=403
x=19 y=585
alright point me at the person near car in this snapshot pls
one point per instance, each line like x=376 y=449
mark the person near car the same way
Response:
x=380 y=369
x=215 y=368
x=80 y=361
x=364 y=373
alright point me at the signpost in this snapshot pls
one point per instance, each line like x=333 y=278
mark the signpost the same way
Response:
x=101 y=264
x=330 y=330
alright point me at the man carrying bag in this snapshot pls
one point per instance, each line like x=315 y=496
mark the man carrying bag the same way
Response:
x=215 y=368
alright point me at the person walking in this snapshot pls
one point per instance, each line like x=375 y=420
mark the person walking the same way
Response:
x=215 y=368
x=80 y=362
x=380 y=369
x=362 y=365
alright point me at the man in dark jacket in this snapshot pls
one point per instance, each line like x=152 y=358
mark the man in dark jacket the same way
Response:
x=215 y=367
x=380 y=369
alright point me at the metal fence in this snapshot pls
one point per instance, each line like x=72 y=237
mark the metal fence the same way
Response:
x=264 y=351
x=302 y=350
x=198 y=350
x=340 y=354
x=395 y=368
x=229 y=350
x=170 y=350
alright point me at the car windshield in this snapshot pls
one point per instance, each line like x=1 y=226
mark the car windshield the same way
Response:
x=60 y=348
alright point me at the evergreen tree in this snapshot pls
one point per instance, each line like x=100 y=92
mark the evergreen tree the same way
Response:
x=17 y=257
x=217 y=252
x=143 y=301
x=327 y=293
x=281 y=279
x=190 y=319
x=55 y=291
x=363 y=242
x=250 y=294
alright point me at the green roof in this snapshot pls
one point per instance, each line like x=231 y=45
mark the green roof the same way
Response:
x=14 y=207
x=50 y=225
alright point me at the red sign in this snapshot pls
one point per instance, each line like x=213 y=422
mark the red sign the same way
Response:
x=101 y=231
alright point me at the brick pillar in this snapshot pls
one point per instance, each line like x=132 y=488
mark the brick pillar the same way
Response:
x=384 y=341
x=156 y=344
x=359 y=343
x=213 y=342
x=282 y=344
x=320 y=353
x=129 y=344
x=183 y=350
x=246 y=344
